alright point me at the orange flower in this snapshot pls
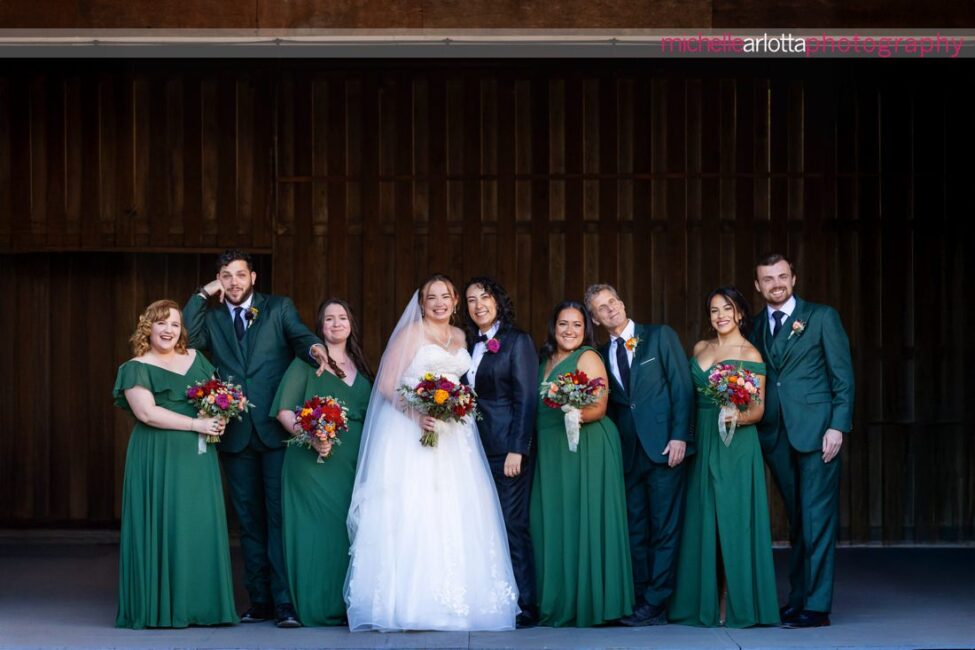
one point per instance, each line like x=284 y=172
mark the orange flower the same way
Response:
x=440 y=396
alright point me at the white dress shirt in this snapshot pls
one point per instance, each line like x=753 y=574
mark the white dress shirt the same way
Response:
x=478 y=353
x=624 y=336
x=243 y=312
x=787 y=309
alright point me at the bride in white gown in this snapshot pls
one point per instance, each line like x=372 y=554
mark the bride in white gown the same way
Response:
x=428 y=544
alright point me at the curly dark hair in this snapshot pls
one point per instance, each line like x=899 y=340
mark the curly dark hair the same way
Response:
x=506 y=309
x=589 y=335
x=232 y=255
x=736 y=298
x=352 y=346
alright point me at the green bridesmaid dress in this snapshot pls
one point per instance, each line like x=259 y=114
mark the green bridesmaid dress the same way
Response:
x=315 y=498
x=578 y=520
x=726 y=506
x=174 y=556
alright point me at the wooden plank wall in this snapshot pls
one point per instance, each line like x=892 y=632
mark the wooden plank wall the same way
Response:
x=666 y=179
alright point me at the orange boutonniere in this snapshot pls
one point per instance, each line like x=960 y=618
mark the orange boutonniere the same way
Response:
x=798 y=328
x=632 y=342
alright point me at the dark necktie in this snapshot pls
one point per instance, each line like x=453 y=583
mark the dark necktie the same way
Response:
x=623 y=363
x=239 y=323
x=778 y=316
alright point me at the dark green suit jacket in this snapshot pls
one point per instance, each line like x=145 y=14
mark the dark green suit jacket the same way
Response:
x=810 y=386
x=275 y=337
x=657 y=406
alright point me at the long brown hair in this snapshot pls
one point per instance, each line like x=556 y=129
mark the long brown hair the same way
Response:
x=155 y=312
x=352 y=346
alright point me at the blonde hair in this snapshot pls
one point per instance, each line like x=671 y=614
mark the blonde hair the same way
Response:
x=157 y=311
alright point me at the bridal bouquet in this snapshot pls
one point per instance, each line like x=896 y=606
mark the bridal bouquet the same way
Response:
x=734 y=389
x=320 y=418
x=216 y=398
x=571 y=392
x=440 y=398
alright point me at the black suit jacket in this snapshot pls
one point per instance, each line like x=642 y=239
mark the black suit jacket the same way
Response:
x=506 y=384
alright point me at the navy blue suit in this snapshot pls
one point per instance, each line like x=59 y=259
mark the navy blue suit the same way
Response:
x=506 y=384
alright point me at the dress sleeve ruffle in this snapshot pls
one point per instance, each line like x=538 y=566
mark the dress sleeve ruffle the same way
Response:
x=130 y=374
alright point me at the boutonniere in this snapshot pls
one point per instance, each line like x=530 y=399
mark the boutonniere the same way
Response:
x=631 y=343
x=493 y=345
x=798 y=328
x=251 y=314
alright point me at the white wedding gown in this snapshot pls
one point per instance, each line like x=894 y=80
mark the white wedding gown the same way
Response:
x=429 y=550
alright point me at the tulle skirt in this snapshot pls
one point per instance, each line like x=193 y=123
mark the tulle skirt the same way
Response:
x=429 y=549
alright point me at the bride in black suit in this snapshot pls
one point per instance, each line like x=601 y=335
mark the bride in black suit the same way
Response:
x=504 y=374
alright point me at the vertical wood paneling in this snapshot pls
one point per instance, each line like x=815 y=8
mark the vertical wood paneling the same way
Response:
x=403 y=170
x=334 y=129
x=6 y=199
x=665 y=180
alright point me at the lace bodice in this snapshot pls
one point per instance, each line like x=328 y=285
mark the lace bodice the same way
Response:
x=433 y=358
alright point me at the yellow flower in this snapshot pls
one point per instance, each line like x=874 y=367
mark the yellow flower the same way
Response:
x=440 y=396
x=305 y=412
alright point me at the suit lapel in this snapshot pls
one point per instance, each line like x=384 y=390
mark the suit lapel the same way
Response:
x=251 y=338
x=765 y=337
x=225 y=324
x=487 y=361
x=614 y=386
x=798 y=314
x=639 y=355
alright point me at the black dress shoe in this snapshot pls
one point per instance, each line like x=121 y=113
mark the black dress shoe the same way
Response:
x=526 y=620
x=285 y=616
x=788 y=613
x=258 y=613
x=645 y=614
x=808 y=618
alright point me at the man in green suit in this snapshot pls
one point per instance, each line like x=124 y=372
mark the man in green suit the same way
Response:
x=252 y=338
x=808 y=406
x=651 y=401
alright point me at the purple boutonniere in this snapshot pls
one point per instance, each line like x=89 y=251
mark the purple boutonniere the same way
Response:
x=251 y=314
x=493 y=345
x=798 y=328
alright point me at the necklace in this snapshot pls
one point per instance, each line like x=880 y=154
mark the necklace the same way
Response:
x=450 y=337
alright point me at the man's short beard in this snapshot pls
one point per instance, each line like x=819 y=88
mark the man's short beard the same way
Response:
x=243 y=298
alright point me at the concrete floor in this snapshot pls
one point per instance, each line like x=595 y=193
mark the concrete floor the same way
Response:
x=63 y=595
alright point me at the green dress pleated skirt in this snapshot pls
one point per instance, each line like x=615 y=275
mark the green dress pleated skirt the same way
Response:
x=315 y=498
x=174 y=556
x=726 y=508
x=578 y=520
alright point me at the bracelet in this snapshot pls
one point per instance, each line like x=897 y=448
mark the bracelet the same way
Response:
x=201 y=292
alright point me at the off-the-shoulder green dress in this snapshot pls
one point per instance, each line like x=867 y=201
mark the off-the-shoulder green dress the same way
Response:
x=726 y=510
